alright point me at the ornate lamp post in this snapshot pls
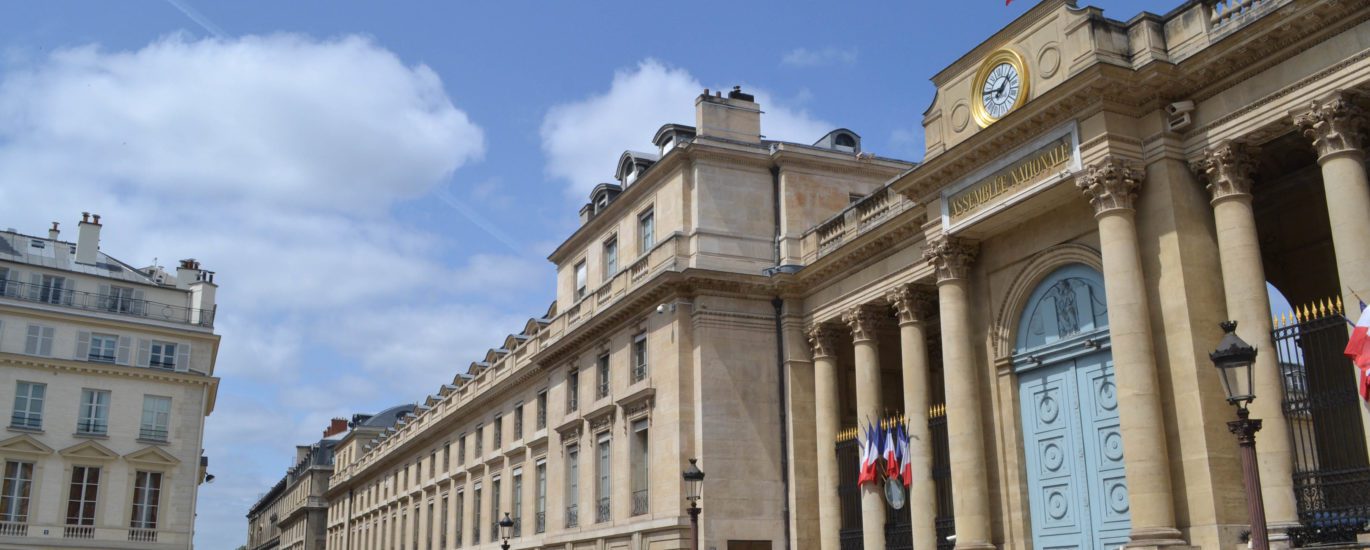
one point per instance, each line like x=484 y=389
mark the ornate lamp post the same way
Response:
x=694 y=481
x=506 y=526
x=1234 y=358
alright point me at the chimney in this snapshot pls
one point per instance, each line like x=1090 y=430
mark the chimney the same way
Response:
x=188 y=271
x=736 y=117
x=53 y=233
x=337 y=426
x=301 y=452
x=88 y=239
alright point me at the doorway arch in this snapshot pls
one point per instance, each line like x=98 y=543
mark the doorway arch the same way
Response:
x=1062 y=358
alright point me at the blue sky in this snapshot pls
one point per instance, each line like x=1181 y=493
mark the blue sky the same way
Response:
x=377 y=184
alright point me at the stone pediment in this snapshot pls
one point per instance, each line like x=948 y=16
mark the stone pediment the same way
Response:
x=89 y=450
x=24 y=445
x=152 y=456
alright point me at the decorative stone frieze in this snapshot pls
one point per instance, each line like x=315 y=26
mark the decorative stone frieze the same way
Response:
x=823 y=339
x=1334 y=125
x=1228 y=169
x=913 y=303
x=951 y=257
x=1110 y=184
x=865 y=320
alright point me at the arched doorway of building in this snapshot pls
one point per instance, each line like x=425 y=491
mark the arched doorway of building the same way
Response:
x=1077 y=491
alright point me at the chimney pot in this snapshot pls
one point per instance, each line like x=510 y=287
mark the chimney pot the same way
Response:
x=85 y=216
x=96 y=219
x=53 y=233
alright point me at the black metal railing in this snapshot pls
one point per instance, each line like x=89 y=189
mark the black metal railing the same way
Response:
x=108 y=303
x=640 y=501
x=898 y=528
x=92 y=428
x=602 y=389
x=572 y=516
x=602 y=510
x=26 y=421
x=100 y=358
x=639 y=372
x=518 y=526
x=152 y=434
x=540 y=522
x=1331 y=470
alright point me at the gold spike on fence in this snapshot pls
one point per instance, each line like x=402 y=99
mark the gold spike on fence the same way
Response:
x=1340 y=308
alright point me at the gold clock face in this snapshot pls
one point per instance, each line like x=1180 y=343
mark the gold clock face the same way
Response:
x=1001 y=85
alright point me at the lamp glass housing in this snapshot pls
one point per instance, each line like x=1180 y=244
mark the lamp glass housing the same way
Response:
x=694 y=481
x=1234 y=358
x=506 y=526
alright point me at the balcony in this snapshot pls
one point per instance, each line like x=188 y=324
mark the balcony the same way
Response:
x=1226 y=15
x=640 y=501
x=518 y=526
x=540 y=522
x=92 y=427
x=27 y=421
x=142 y=535
x=78 y=532
x=14 y=529
x=572 y=516
x=106 y=303
x=602 y=510
x=854 y=221
x=152 y=434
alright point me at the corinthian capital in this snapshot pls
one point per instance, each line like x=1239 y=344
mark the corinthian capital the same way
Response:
x=951 y=256
x=1110 y=184
x=1334 y=125
x=913 y=303
x=864 y=321
x=1228 y=169
x=823 y=338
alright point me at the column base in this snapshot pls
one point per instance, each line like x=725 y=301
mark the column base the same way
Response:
x=1157 y=539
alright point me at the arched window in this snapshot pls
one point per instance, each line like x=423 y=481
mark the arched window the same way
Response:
x=845 y=141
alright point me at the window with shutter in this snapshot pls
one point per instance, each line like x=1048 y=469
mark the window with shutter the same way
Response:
x=122 y=356
x=39 y=340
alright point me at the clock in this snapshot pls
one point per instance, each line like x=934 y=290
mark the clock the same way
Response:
x=1001 y=85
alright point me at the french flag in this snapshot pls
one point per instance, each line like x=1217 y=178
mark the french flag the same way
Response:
x=891 y=454
x=905 y=461
x=869 y=454
x=1358 y=349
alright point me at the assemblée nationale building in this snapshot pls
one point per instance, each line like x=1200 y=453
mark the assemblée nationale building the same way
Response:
x=1036 y=299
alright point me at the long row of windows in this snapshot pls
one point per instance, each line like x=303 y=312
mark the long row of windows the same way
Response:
x=92 y=414
x=487 y=508
x=646 y=239
x=101 y=347
x=83 y=495
x=60 y=290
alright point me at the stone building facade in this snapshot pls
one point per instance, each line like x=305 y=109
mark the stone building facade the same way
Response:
x=109 y=373
x=1035 y=301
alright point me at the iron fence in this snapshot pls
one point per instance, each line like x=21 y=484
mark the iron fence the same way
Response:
x=572 y=516
x=898 y=528
x=602 y=510
x=108 y=303
x=1331 y=470
x=640 y=502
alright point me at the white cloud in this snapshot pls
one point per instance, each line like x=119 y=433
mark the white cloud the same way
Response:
x=831 y=55
x=283 y=119
x=583 y=139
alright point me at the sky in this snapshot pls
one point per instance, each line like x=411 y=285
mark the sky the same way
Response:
x=378 y=184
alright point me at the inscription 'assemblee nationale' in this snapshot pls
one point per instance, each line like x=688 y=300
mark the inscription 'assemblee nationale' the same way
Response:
x=1033 y=168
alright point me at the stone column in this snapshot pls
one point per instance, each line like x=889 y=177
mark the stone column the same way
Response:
x=965 y=436
x=1335 y=127
x=864 y=322
x=1229 y=169
x=1111 y=186
x=827 y=413
x=915 y=306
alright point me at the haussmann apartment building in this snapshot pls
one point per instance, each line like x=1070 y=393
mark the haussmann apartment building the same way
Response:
x=1036 y=301
x=109 y=373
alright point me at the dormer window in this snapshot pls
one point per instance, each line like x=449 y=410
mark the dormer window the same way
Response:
x=630 y=176
x=844 y=142
x=667 y=144
x=601 y=202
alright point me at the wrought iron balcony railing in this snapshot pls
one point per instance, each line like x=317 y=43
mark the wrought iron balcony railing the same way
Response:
x=152 y=434
x=91 y=427
x=572 y=516
x=27 y=421
x=540 y=522
x=602 y=510
x=640 y=501
x=107 y=303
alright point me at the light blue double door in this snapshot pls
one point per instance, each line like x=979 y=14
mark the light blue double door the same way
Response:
x=1076 y=488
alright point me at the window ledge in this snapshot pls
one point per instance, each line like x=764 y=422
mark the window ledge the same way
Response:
x=25 y=429
x=153 y=441
x=85 y=435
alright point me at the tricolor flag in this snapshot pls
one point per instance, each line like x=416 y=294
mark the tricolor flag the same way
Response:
x=869 y=454
x=891 y=455
x=905 y=461
x=1358 y=349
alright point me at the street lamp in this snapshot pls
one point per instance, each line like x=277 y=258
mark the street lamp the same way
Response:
x=694 y=481
x=1234 y=358
x=506 y=526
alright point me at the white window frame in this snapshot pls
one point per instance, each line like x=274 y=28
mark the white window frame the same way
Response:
x=646 y=230
x=156 y=421
x=610 y=257
x=94 y=412
x=640 y=356
x=582 y=282
x=17 y=491
x=38 y=340
x=28 y=407
x=89 y=496
x=147 y=494
x=100 y=343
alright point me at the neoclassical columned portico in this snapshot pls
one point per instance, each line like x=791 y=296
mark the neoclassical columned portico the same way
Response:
x=1229 y=169
x=952 y=258
x=1336 y=128
x=915 y=305
x=1111 y=186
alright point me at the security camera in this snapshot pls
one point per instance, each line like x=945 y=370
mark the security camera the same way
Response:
x=661 y=308
x=1179 y=107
